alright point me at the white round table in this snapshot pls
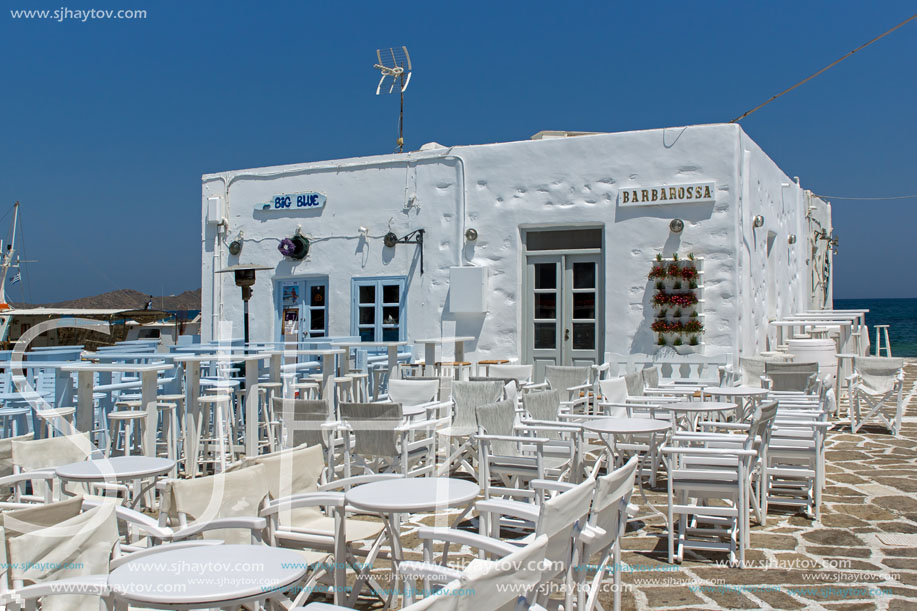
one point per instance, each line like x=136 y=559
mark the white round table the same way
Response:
x=207 y=576
x=411 y=495
x=609 y=428
x=691 y=410
x=117 y=469
x=625 y=426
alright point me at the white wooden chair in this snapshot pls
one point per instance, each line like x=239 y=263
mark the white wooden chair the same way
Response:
x=711 y=481
x=875 y=391
x=559 y=518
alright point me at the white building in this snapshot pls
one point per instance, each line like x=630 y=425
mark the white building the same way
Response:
x=540 y=249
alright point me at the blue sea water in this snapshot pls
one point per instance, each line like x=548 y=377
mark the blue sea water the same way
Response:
x=900 y=314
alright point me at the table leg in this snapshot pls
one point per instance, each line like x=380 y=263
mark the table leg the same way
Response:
x=84 y=412
x=276 y=361
x=459 y=351
x=148 y=400
x=251 y=408
x=429 y=357
x=345 y=361
x=192 y=424
x=328 y=371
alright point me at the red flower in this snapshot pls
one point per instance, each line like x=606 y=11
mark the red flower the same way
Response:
x=658 y=271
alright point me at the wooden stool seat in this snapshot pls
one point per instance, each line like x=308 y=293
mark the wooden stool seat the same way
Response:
x=58 y=412
x=221 y=398
x=176 y=397
x=128 y=414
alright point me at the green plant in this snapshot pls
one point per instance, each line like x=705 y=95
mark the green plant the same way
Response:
x=677 y=313
x=677 y=285
x=659 y=256
x=661 y=340
x=693 y=341
x=694 y=314
x=691 y=256
x=662 y=313
x=692 y=285
x=674 y=256
x=660 y=285
x=677 y=342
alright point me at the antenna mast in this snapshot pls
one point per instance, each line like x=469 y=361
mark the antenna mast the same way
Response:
x=395 y=63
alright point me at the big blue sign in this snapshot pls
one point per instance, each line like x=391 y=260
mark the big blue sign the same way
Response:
x=294 y=201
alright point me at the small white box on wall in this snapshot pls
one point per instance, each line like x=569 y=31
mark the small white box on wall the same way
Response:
x=467 y=290
x=215 y=210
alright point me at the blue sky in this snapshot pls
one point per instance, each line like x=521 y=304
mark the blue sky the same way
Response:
x=108 y=125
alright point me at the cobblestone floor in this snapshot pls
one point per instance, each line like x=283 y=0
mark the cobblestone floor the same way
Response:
x=862 y=555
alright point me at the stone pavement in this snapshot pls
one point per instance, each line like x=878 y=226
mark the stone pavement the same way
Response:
x=863 y=554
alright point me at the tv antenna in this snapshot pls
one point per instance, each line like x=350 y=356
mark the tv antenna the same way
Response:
x=395 y=65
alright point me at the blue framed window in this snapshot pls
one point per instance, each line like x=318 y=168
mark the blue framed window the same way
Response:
x=303 y=308
x=378 y=309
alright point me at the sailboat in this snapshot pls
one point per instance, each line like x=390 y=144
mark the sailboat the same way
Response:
x=8 y=260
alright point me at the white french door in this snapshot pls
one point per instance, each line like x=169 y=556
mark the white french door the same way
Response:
x=562 y=313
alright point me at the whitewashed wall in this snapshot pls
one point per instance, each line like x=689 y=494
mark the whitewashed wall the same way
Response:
x=499 y=189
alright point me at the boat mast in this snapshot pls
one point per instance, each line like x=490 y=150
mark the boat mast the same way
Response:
x=7 y=259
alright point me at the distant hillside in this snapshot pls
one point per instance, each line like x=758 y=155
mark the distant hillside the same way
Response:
x=128 y=299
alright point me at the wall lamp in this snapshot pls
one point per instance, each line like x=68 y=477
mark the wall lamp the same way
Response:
x=471 y=234
x=415 y=237
x=758 y=221
x=676 y=226
x=791 y=239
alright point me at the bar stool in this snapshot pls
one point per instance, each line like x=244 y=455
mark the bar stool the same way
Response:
x=268 y=424
x=410 y=369
x=49 y=420
x=168 y=418
x=126 y=424
x=879 y=338
x=15 y=420
x=359 y=383
x=487 y=364
x=221 y=433
x=179 y=400
x=343 y=387
x=307 y=390
x=453 y=369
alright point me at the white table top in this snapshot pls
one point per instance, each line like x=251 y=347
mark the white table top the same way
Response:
x=224 y=574
x=113 y=367
x=626 y=426
x=444 y=340
x=736 y=391
x=232 y=357
x=697 y=406
x=307 y=351
x=357 y=344
x=413 y=494
x=119 y=467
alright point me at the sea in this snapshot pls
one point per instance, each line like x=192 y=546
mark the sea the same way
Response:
x=899 y=314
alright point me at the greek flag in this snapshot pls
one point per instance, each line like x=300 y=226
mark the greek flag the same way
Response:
x=16 y=278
